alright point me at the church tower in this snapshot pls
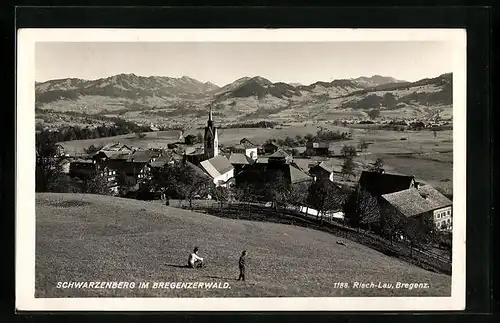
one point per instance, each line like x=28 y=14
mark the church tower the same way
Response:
x=211 y=139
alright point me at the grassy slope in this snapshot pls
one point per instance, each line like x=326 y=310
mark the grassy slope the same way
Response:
x=88 y=237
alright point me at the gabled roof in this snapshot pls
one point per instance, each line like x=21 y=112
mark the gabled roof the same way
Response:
x=270 y=144
x=197 y=170
x=415 y=201
x=128 y=167
x=217 y=166
x=240 y=159
x=297 y=175
x=247 y=143
x=280 y=153
x=381 y=183
x=143 y=155
x=195 y=151
x=115 y=147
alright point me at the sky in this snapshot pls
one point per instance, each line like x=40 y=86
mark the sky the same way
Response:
x=224 y=62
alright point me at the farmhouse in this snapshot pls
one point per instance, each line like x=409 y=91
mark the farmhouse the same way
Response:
x=322 y=171
x=269 y=148
x=144 y=156
x=166 y=158
x=278 y=170
x=117 y=147
x=319 y=148
x=85 y=169
x=219 y=169
x=379 y=183
x=239 y=160
x=420 y=202
x=133 y=171
x=247 y=148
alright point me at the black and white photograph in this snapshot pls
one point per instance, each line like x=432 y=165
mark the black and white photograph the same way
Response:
x=248 y=169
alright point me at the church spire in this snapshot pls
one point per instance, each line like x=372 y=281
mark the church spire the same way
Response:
x=210 y=114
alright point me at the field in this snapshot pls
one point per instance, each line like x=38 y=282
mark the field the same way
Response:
x=421 y=154
x=99 y=238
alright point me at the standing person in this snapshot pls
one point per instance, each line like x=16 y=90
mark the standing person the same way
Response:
x=241 y=264
x=194 y=260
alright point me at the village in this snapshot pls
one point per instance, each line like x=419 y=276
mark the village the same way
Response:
x=316 y=182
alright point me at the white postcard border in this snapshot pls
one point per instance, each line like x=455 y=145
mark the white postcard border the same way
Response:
x=25 y=171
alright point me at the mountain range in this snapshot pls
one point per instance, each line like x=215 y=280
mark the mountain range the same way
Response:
x=137 y=97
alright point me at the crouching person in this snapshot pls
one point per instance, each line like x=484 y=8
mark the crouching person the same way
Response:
x=195 y=261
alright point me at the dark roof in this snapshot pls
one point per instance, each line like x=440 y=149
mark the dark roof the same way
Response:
x=415 y=201
x=247 y=143
x=143 y=155
x=259 y=173
x=197 y=170
x=270 y=144
x=381 y=183
x=128 y=167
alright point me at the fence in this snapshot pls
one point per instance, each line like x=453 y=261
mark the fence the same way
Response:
x=331 y=222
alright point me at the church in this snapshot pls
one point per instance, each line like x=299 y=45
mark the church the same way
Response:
x=217 y=166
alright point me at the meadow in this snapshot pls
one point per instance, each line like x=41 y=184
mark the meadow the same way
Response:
x=421 y=153
x=99 y=238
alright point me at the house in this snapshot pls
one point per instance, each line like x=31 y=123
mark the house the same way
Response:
x=133 y=171
x=194 y=155
x=322 y=171
x=247 y=148
x=239 y=160
x=85 y=168
x=319 y=148
x=420 y=202
x=219 y=169
x=117 y=147
x=269 y=148
x=167 y=158
x=144 y=156
x=261 y=176
x=380 y=183
x=279 y=156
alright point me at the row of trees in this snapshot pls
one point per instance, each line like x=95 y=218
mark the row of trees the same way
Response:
x=120 y=127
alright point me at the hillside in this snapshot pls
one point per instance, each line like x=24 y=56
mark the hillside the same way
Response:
x=173 y=101
x=99 y=238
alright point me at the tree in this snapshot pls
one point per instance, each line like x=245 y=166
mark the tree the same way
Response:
x=190 y=140
x=373 y=113
x=221 y=194
x=367 y=208
x=324 y=196
x=199 y=138
x=348 y=151
x=46 y=160
x=362 y=145
x=191 y=185
x=378 y=165
x=389 y=101
x=93 y=149
x=289 y=142
x=309 y=137
x=419 y=230
x=391 y=221
x=96 y=184
x=348 y=167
